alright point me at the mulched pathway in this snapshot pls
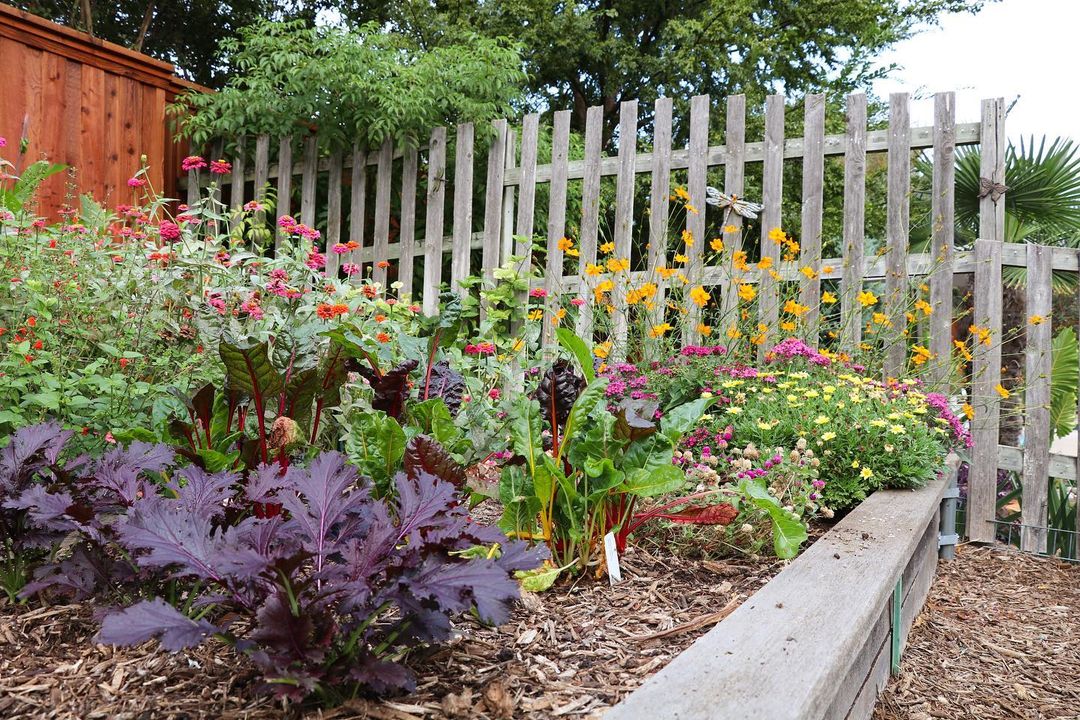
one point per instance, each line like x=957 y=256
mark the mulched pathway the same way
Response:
x=570 y=652
x=999 y=639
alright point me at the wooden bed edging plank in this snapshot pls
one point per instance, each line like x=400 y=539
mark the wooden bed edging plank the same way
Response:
x=814 y=642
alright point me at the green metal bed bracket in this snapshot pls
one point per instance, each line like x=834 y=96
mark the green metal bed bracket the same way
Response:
x=897 y=606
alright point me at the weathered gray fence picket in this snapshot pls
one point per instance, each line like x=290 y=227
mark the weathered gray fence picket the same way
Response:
x=405 y=228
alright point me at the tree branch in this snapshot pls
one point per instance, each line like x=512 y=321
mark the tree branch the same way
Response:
x=88 y=16
x=148 y=17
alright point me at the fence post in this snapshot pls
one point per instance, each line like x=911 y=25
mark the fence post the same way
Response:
x=1033 y=504
x=986 y=364
x=772 y=201
x=896 y=275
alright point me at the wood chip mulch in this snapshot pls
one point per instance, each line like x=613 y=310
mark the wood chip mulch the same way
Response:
x=999 y=639
x=570 y=652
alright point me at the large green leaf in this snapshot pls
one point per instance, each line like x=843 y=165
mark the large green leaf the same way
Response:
x=249 y=371
x=525 y=429
x=681 y=419
x=16 y=197
x=650 y=481
x=518 y=497
x=580 y=350
x=788 y=533
x=376 y=443
x=586 y=402
x=1063 y=382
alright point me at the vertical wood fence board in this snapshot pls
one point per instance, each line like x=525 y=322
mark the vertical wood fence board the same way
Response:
x=943 y=219
x=986 y=375
x=236 y=198
x=308 y=180
x=556 y=230
x=192 y=187
x=992 y=168
x=734 y=182
x=526 y=201
x=695 y=221
x=262 y=165
x=508 y=214
x=1037 y=401
x=284 y=184
x=1076 y=542
x=493 y=202
x=383 y=178
x=407 y=238
x=771 y=219
x=357 y=206
x=433 y=227
x=896 y=233
x=854 y=224
x=460 y=260
x=813 y=206
x=624 y=221
x=590 y=215
x=218 y=153
x=659 y=197
x=333 y=215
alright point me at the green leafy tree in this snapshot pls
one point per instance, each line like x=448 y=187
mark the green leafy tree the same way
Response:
x=353 y=86
x=601 y=52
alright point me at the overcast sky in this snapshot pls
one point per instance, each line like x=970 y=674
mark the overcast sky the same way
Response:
x=1013 y=48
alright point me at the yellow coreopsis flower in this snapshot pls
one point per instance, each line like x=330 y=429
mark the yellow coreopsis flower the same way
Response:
x=536 y=314
x=602 y=350
x=730 y=229
x=733 y=332
x=774 y=275
x=787 y=326
x=920 y=355
x=1036 y=319
x=699 y=296
x=924 y=307
x=969 y=412
x=593 y=270
x=659 y=330
x=982 y=334
x=827 y=269
x=682 y=194
x=565 y=244
x=559 y=315
x=809 y=272
x=691 y=209
x=618 y=264
x=687 y=238
x=828 y=298
x=867 y=298
x=704 y=330
x=793 y=308
x=738 y=259
x=777 y=236
x=962 y=347
x=680 y=258
x=765 y=263
x=747 y=292
x=866 y=473
x=717 y=245
x=608 y=247
x=1000 y=390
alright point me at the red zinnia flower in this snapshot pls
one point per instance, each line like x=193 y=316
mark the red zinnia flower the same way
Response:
x=38 y=345
x=220 y=167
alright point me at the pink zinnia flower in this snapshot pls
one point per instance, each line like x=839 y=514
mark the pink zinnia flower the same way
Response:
x=220 y=167
x=350 y=269
x=3 y=142
x=315 y=260
x=253 y=206
x=192 y=162
x=169 y=230
x=340 y=248
x=577 y=302
x=136 y=182
x=538 y=293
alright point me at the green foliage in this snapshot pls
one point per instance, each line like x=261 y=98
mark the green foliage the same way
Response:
x=16 y=197
x=362 y=86
x=1063 y=382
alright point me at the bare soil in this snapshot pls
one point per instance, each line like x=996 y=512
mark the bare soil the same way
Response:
x=570 y=652
x=999 y=639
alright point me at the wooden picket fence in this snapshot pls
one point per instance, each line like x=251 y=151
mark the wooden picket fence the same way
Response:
x=507 y=226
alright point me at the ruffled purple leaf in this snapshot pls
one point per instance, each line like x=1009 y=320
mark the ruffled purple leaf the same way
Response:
x=32 y=449
x=120 y=469
x=390 y=388
x=382 y=676
x=458 y=586
x=154 y=619
x=201 y=493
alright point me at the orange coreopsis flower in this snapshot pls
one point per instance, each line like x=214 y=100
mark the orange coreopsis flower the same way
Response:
x=383 y=264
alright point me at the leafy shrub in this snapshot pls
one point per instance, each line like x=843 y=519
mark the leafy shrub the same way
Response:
x=327 y=596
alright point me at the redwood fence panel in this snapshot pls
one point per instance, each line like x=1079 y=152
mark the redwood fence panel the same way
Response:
x=96 y=107
x=533 y=187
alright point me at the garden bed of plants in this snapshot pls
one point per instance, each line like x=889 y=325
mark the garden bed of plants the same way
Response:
x=303 y=480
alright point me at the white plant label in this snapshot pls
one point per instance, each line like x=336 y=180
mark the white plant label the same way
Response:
x=614 y=572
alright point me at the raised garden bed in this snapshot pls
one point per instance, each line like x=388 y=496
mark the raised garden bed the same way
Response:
x=816 y=642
